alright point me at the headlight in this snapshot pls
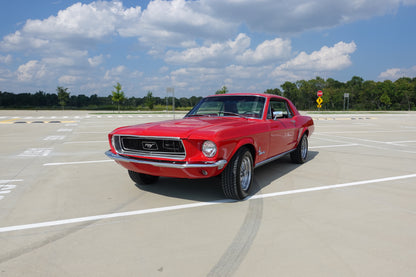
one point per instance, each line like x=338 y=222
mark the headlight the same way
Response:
x=209 y=149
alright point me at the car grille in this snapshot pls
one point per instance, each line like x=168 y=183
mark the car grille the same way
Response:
x=149 y=146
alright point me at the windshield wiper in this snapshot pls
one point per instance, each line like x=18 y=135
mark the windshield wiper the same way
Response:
x=199 y=115
x=235 y=114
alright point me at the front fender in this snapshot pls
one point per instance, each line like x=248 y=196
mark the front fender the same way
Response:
x=229 y=149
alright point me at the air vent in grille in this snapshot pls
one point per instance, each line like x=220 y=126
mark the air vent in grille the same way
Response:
x=150 y=146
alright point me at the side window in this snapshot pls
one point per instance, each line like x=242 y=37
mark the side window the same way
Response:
x=279 y=109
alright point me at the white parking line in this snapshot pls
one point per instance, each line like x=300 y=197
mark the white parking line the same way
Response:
x=36 y=152
x=337 y=145
x=400 y=142
x=193 y=205
x=64 y=130
x=6 y=187
x=91 y=141
x=83 y=162
x=10 y=181
x=91 y=132
x=372 y=143
x=54 y=138
x=358 y=183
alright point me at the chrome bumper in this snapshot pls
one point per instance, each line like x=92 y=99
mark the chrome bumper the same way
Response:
x=220 y=164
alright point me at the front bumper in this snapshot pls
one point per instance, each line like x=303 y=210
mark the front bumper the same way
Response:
x=169 y=169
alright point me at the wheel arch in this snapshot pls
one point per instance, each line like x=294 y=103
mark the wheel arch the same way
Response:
x=248 y=143
x=304 y=131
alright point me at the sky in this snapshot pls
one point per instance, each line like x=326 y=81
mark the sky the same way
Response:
x=197 y=47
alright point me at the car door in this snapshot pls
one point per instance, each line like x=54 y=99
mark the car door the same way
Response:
x=283 y=131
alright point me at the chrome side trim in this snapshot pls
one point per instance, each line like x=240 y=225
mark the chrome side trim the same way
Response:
x=220 y=164
x=273 y=158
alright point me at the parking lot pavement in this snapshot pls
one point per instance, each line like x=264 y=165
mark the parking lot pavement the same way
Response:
x=67 y=210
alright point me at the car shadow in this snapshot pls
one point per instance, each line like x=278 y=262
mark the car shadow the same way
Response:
x=209 y=190
x=271 y=172
x=204 y=190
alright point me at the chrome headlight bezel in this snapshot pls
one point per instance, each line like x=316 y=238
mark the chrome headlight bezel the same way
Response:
x=209 y=148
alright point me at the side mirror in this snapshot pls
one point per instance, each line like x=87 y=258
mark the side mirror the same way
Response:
x=278 y=114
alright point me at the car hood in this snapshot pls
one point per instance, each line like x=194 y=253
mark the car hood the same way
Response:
x=191 y=127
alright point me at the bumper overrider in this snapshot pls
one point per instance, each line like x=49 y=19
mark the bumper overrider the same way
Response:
x=169 y=169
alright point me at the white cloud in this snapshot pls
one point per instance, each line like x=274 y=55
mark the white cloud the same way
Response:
x=181 y=23
x=279 y=17
x=31 y=70
x=178 y=23
x=75 y=27
x=95 y=21
x=6 y=59
x=397 y=73
x=233 y=51
x=96 y=61
x=68 y=79
x=214 y=54
x=326 y=59
x=268 y=51
x=59 y=61
x=21 y=41
x=115 y=73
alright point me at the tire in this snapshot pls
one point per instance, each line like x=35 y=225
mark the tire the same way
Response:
x=237 y=177
x=143 y=179
x=300 y=154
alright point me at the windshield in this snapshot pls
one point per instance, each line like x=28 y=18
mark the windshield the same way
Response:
x=235 y=105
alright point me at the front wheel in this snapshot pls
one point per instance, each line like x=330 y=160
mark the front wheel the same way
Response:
x=143 y=179
x=300 y=154
x=237 y=177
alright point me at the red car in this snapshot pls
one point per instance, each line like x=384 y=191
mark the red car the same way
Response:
x=227 y=135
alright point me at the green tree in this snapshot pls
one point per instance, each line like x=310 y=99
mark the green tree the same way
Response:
x=385 y=99
x=194 y=100
x=63 y=96
x=150 y=101
x=404 y=90
x=184 y=102
x=118 y=95
x=291 y=91
x=275 y=91
x=354 y=86
x=369 y=96
x=223 y=90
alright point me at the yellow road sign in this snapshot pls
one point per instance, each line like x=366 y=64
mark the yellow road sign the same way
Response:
x=319 y=101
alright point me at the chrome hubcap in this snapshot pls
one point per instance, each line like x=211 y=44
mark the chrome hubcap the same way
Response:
x=245 y=173
x=304 y=147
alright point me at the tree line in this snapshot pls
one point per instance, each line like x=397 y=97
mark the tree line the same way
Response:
x=63 y=100
x=355 y=94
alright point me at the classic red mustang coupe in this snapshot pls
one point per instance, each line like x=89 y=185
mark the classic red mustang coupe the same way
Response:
x=227 y=135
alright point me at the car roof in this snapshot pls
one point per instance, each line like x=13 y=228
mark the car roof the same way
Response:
x=248 y=94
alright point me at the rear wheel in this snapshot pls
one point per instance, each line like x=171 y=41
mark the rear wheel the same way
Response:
x=300 y=154
x=237 y=177
x=143 y=179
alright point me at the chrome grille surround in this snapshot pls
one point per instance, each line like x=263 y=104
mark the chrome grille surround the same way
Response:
x=145 y=146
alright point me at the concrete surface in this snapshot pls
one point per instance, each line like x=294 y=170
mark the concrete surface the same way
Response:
x=66 y=210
